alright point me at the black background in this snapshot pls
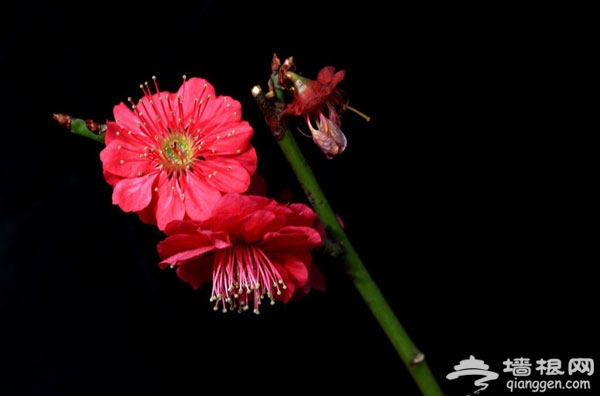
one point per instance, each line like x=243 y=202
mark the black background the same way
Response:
x=467 y=197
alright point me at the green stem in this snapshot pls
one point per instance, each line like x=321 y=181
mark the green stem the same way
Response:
x=368 y=289
x=79 y=127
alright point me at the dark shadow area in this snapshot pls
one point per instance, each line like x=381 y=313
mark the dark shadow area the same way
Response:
x=473 y=225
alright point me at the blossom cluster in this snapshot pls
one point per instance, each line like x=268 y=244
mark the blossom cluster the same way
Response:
x=184 y=162
x=320 y=103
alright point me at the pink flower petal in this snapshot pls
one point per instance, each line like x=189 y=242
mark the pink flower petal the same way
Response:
x=191 y=92
x=200 y=197
x=182 y=248
x=170 y=205
x=293 y=270
x=133 y=195
x=291 y=237
x=196 y=272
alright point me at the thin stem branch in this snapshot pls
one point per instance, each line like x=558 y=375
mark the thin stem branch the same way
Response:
x=366 y=286
x=410 y=355
x=86 y=128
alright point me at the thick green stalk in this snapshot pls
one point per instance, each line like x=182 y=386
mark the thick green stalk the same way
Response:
x=412 y=358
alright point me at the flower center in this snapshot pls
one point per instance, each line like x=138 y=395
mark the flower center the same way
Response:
x=243 y=274
x=178 y=152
